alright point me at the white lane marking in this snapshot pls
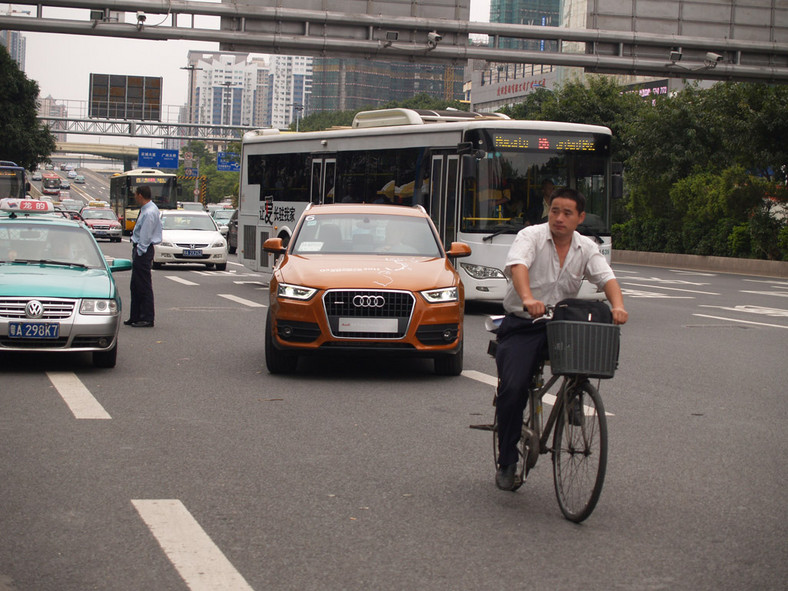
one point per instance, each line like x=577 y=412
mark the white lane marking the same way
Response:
x=740 y=321
x=234 y=263
x=670 y=281
x=77 y=396
x=776 y=284
x=249 y=303
x=177 y=279
x=636 y=293
x=548 y=399
x=194 y=555
x=671 y=288
x=774 y=312
x=779 y=294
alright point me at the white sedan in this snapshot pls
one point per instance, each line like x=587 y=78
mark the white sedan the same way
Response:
x=190 y=237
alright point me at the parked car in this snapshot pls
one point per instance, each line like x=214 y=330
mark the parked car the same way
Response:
x=103 y=223
x=190 y=237
x=365 y=278
x=57 y=292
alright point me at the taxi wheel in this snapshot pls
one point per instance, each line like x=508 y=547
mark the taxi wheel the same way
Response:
x=276 y=360
x=449 y=365
x=106 y=358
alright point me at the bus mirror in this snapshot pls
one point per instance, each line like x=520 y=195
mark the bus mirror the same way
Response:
x=617 y=181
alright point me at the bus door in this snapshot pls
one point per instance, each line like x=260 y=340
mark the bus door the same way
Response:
x=323 y=177
x=444 y=177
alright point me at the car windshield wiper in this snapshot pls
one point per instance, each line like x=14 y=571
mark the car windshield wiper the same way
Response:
x=50 y=262
x=502 y=230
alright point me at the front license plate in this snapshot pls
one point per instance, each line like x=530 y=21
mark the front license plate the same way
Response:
x=386 y=325
x=33 y=330
x=192 y=253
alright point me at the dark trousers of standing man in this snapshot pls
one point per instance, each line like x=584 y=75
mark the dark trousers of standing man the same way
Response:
x=522 y=344
x=141 y=286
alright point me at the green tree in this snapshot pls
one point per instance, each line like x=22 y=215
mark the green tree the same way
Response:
x=25 y=140
x=219 y=184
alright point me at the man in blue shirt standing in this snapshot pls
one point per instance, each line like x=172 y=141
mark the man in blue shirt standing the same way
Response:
x=147 y=232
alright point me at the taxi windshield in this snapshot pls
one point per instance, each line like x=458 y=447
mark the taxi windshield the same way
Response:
x=98 y=214
x=32 y=243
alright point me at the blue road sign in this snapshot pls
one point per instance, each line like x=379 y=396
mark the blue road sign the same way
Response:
x=228 y=161
x=157 y=158
x=191 y=172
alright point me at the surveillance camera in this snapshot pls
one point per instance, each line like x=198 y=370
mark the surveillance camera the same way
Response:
x=141 y=17
x=713 y=57
x=675 y=55
x=433 y=38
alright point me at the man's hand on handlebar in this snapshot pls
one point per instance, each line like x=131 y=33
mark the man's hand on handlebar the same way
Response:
x=620 y=316
x=535 y=308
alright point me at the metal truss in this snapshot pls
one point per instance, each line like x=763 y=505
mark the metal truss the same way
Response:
x=146 y=129
x=251 y=28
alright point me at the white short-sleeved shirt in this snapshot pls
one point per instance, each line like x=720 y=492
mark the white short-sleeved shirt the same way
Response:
x=550 y=283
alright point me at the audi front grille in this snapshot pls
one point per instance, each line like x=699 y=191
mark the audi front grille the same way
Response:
x=377 y=314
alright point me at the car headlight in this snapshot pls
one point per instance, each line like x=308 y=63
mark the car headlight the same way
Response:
x=219 y=244
x=440 y=296
x=482 y=272
x=101 y=307
x=295 y=292
x=166 y=244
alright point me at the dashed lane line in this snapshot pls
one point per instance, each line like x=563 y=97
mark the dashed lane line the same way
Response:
x=177 y=279
x=200 y=563
x=78 y=398
x=661 y=287
x=741 y=321
x=238 y=300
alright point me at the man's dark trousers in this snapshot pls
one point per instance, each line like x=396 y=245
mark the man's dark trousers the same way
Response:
x=522 y=344
x=141 y=286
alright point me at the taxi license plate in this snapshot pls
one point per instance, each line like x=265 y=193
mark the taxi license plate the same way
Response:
x=192 y=253
x=33 y=330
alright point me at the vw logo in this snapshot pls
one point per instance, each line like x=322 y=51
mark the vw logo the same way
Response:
x=34 y=309
x=369 y=301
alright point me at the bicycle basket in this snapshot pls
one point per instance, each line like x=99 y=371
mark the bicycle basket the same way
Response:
x=583 y=348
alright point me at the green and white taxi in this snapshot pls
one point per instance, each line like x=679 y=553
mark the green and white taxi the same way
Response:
x=57 y=292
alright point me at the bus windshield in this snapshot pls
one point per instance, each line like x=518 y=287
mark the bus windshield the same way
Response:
x=507 y=188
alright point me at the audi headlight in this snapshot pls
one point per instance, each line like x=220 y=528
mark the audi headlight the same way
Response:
x=295 y=292
x=440 y=296
x=100 y=307
x=482 y=272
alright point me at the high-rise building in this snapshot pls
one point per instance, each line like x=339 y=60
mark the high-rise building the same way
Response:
x=15 y=43
x=234 y=89
x=347 y=84
x=48 y=107
x=544 y=13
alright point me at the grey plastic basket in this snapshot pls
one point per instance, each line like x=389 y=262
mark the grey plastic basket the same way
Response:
x=583 y=348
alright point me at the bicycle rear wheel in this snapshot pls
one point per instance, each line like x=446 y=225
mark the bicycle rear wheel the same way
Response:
x=580 y=453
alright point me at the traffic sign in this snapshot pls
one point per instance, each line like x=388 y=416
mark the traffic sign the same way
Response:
x=191 y=171
x=228 y=161
x=157 y=158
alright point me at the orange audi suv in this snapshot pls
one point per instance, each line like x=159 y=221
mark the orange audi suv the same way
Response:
x=365 y=278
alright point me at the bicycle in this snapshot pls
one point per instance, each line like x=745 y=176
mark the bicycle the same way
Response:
x=579 y=351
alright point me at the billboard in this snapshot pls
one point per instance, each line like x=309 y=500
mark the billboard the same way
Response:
x=117 y=96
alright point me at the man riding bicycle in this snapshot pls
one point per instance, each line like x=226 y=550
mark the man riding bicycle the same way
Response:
x=546 y=264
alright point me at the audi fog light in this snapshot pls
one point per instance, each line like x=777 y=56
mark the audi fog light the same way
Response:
x=295 y=292
x=440 y=296
x=482 y=272
x=101 y=307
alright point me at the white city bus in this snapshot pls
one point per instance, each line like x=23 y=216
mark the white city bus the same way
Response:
x=479 y=176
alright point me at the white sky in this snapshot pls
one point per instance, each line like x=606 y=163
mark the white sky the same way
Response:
x=62 y=64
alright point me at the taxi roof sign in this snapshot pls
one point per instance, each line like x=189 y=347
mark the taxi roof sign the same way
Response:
x=97 y=204
x=26 y=206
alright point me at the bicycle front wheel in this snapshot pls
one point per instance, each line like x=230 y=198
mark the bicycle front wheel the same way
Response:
x=580 y=452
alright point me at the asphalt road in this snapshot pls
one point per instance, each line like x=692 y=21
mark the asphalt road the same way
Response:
x=209 y=473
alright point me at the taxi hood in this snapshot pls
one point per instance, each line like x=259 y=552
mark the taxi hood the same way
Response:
x=32 y=280
x=413 y=273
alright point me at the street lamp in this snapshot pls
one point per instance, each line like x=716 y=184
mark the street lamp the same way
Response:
x=191 y=68
x=297 y=108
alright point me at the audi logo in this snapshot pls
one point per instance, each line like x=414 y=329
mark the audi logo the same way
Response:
x=369 y=301
x=34 y=309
